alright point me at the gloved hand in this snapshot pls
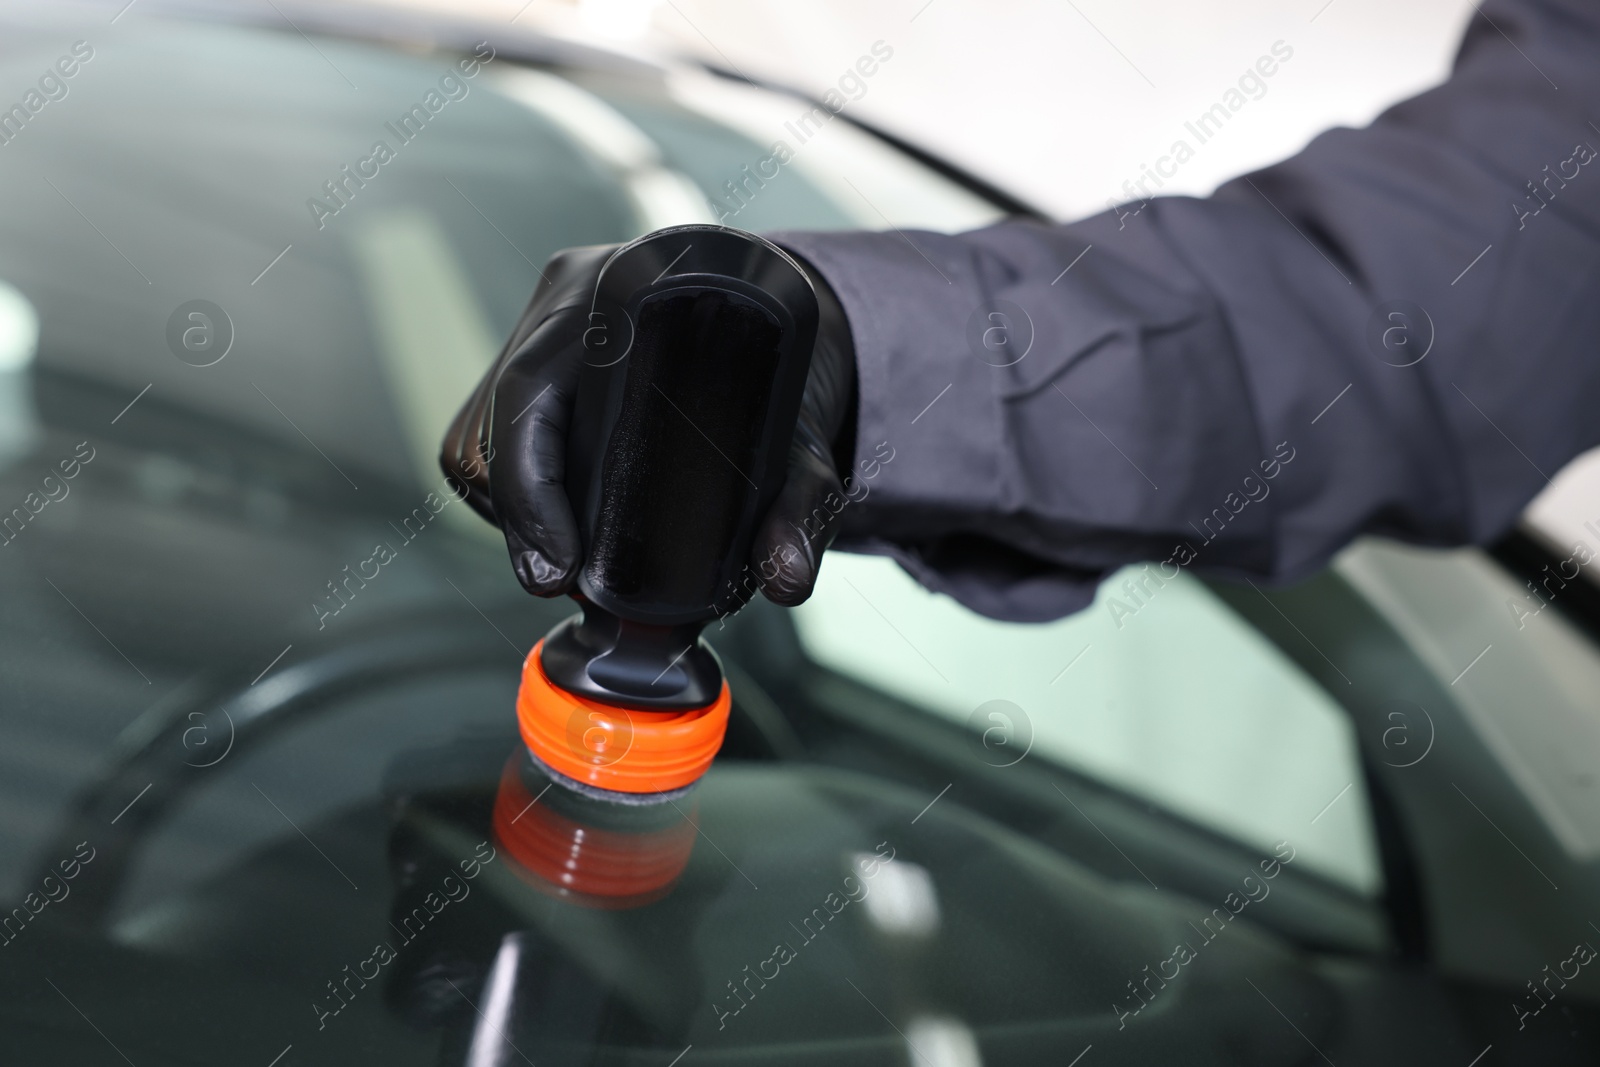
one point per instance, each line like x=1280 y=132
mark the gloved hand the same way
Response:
x=506 y=449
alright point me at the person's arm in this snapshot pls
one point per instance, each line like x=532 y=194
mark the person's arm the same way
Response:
x=1211 y=384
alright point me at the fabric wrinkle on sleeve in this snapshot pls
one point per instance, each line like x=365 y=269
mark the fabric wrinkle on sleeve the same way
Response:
x=1216 y=372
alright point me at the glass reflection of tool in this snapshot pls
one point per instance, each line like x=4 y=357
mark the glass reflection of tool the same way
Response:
x=586 y=851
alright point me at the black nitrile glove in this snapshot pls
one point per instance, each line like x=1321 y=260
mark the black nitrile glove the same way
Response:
x=506 y=448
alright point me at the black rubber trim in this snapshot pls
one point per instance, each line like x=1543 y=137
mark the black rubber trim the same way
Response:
x=1001 y=199
x=1526 y=554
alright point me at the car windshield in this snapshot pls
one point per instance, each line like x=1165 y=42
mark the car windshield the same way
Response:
x=360 y=300
x=246 y=278
x=365 y=252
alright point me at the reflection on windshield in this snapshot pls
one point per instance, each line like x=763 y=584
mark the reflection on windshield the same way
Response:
x=588 y=852
x=660 y=195
x=773 y=906
x=19 y=340
x=1182 y=703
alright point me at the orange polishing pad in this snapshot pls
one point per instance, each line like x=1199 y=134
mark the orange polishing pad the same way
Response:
x=617 y=749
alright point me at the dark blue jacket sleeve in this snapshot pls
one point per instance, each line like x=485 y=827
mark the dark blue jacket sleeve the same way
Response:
x=1395 y=332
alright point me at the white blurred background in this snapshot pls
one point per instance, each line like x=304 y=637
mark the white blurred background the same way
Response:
x=1057 y=102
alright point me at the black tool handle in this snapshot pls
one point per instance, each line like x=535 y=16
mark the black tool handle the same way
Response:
x=696 y=357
